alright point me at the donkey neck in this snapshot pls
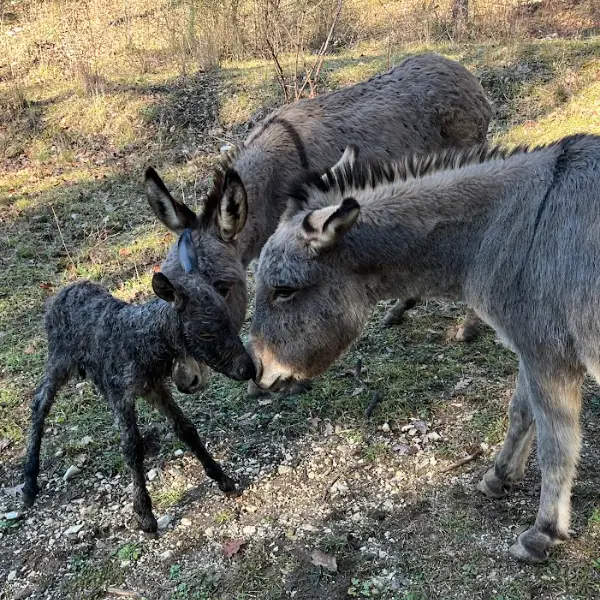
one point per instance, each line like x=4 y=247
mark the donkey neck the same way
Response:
x=265 y=171
x=419 y=238
x=157 y=326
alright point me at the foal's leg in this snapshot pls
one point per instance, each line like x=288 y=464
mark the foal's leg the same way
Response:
x=469 y=330
x=510 y=463
x=186 y=431
x=55 y=377
x=133 y=452
x=395 y=315
x=556 y=403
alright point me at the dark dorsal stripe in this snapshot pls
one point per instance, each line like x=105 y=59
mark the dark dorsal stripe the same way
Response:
x=294 y=136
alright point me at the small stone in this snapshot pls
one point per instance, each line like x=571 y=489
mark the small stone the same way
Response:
x=249 y=530
x=186 y=522
x=167 y=555
x=163 y=522
x=413 y=450
x=209 y=532
x=152 y=474
x=386 y=428
x=74 y=530
x=12 y=575
x=71 y=472
x=178 y=452
x=60 y=452
x=12 y=516
x=283 y=469
x=412 y=431
x=401 y=448
x=86 y=441
x=225 y=148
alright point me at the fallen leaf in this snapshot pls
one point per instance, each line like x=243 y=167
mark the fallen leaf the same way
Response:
x=320 y=559
x=46 y=285
x=29 y=350
x=462 y=385
x=124 y=252
x=232 y=547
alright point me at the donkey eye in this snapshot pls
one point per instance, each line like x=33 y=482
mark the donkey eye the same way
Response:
x=283 y=293
x=223 y=288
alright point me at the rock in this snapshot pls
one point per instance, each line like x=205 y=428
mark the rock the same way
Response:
x=12 y=516
x=167 y=555
x=225 y=148
x=71 y=472
x=386 y=428
x=164 y=521
x=401 y=448
x=413 y=450
x=178 y=452
x=283 y=469
x=186 y=522
x=249 y=530
x=209 y=532
x=152 y=474
x=86 y=441
x=421 y=427
x=73 y=530
x=434 y=436
x=12 y=575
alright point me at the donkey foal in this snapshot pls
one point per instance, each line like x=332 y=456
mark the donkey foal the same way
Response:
x=128 y=351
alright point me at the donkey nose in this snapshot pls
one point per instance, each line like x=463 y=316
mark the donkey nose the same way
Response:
x=246 y=370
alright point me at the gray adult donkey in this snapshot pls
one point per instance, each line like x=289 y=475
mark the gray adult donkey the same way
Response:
x=425 y=104
x=514 y=234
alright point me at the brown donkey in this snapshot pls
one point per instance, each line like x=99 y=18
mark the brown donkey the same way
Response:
x=514 y=234
x=423 y=105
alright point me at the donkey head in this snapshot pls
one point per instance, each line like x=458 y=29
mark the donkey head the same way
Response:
x=206 y=265
x=310 y=302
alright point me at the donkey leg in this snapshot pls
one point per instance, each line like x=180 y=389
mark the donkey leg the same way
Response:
x=54 y=378
x=556 y=403
x=132 y=446
x=510 y=463
x=469 y=329
x=395 y=315
x=186 y=431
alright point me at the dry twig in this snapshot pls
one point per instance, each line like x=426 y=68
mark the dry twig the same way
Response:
x=462 y=461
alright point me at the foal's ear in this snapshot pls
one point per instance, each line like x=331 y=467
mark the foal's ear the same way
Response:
x=173 y=214
x=233 y=206
x=166 y=291
x=324 y=227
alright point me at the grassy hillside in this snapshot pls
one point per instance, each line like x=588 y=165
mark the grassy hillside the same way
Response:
x=83 y=111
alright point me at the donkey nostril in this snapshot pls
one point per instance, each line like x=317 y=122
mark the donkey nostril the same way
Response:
x=195 y=381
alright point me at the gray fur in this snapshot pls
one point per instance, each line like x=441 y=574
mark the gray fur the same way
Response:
x=425 y=104
x=515 y=235
x=128 y=351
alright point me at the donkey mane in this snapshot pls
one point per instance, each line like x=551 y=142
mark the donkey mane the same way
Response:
x=363 y=174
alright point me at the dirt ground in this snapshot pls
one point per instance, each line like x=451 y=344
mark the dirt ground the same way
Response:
x=321 y=480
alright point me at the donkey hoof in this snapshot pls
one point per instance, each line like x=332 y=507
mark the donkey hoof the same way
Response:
x=149 y=525
x=492 y=486
x=466 y=333
x=532 y=547
x=228 y=487
x=29 y=494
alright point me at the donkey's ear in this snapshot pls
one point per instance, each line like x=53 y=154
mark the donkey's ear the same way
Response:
x=165 y=290
x=324 y=227
x=175 y=215
x=233 y=206
x=186 y=250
